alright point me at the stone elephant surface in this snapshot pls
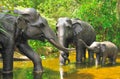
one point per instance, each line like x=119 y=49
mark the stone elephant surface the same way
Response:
x=70 y=31
x=17 y=30
x=103 y=50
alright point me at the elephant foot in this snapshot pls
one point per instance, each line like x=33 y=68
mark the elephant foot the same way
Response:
x=38 y=72
x=7 y=72
x=113 y=63
x=38 y=69
x=66 y=61
x=62 y=62
x=78 y=62
x=37 y=75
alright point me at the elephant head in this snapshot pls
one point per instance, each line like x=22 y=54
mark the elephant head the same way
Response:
x=67 y=28
x=36 y=27
x=64 y=29
x=97 y=47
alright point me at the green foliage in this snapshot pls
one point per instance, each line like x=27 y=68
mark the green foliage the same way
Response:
x=58 y=8
x=101 y=14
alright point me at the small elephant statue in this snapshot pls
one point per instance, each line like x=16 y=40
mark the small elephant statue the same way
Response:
x=103 y=50
x=15 y=31
x=69 y=31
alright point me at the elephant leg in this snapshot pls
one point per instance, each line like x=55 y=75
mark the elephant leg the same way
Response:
x=7 y=75
x=114 y=60
x=64 y=55
x=7 y=55
x=97 y=62
x=27 y=50
x=84 y=56
x=61 y=58
x=79 y=53
x=110 y=59
x=103 y=60
x=90 y=57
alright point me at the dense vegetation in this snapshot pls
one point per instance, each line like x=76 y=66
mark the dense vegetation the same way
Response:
x=103 y=15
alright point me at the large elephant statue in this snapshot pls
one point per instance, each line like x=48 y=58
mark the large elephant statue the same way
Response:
x=70 y=31
x=103 y=50
x=17 y=30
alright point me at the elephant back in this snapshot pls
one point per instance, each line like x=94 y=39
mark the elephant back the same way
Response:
x=84 y=31
x=83 y=27
x=110 y=46
x=86 y=26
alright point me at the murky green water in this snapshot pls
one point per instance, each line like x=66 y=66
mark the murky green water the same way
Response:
x=23 y=70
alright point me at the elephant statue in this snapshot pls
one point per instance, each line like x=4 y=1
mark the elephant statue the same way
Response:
x=103 y=50
x=17 y=30
x=69 y=31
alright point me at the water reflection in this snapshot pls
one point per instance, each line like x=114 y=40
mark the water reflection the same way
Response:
x=6 y=76
x=61 y=72
x=10 y=76
x=23 y=70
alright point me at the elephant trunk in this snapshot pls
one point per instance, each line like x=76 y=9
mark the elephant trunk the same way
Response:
x=53 y=39
x=59 y=46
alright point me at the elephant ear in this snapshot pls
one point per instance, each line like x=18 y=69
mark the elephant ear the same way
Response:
x=103 y=47
x=69 y=22
x=76 y=26
x=21 y=23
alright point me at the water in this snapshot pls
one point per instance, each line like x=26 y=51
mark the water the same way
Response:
x=23 y=70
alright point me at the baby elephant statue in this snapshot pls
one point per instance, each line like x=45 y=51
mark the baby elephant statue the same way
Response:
x=103 y=50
